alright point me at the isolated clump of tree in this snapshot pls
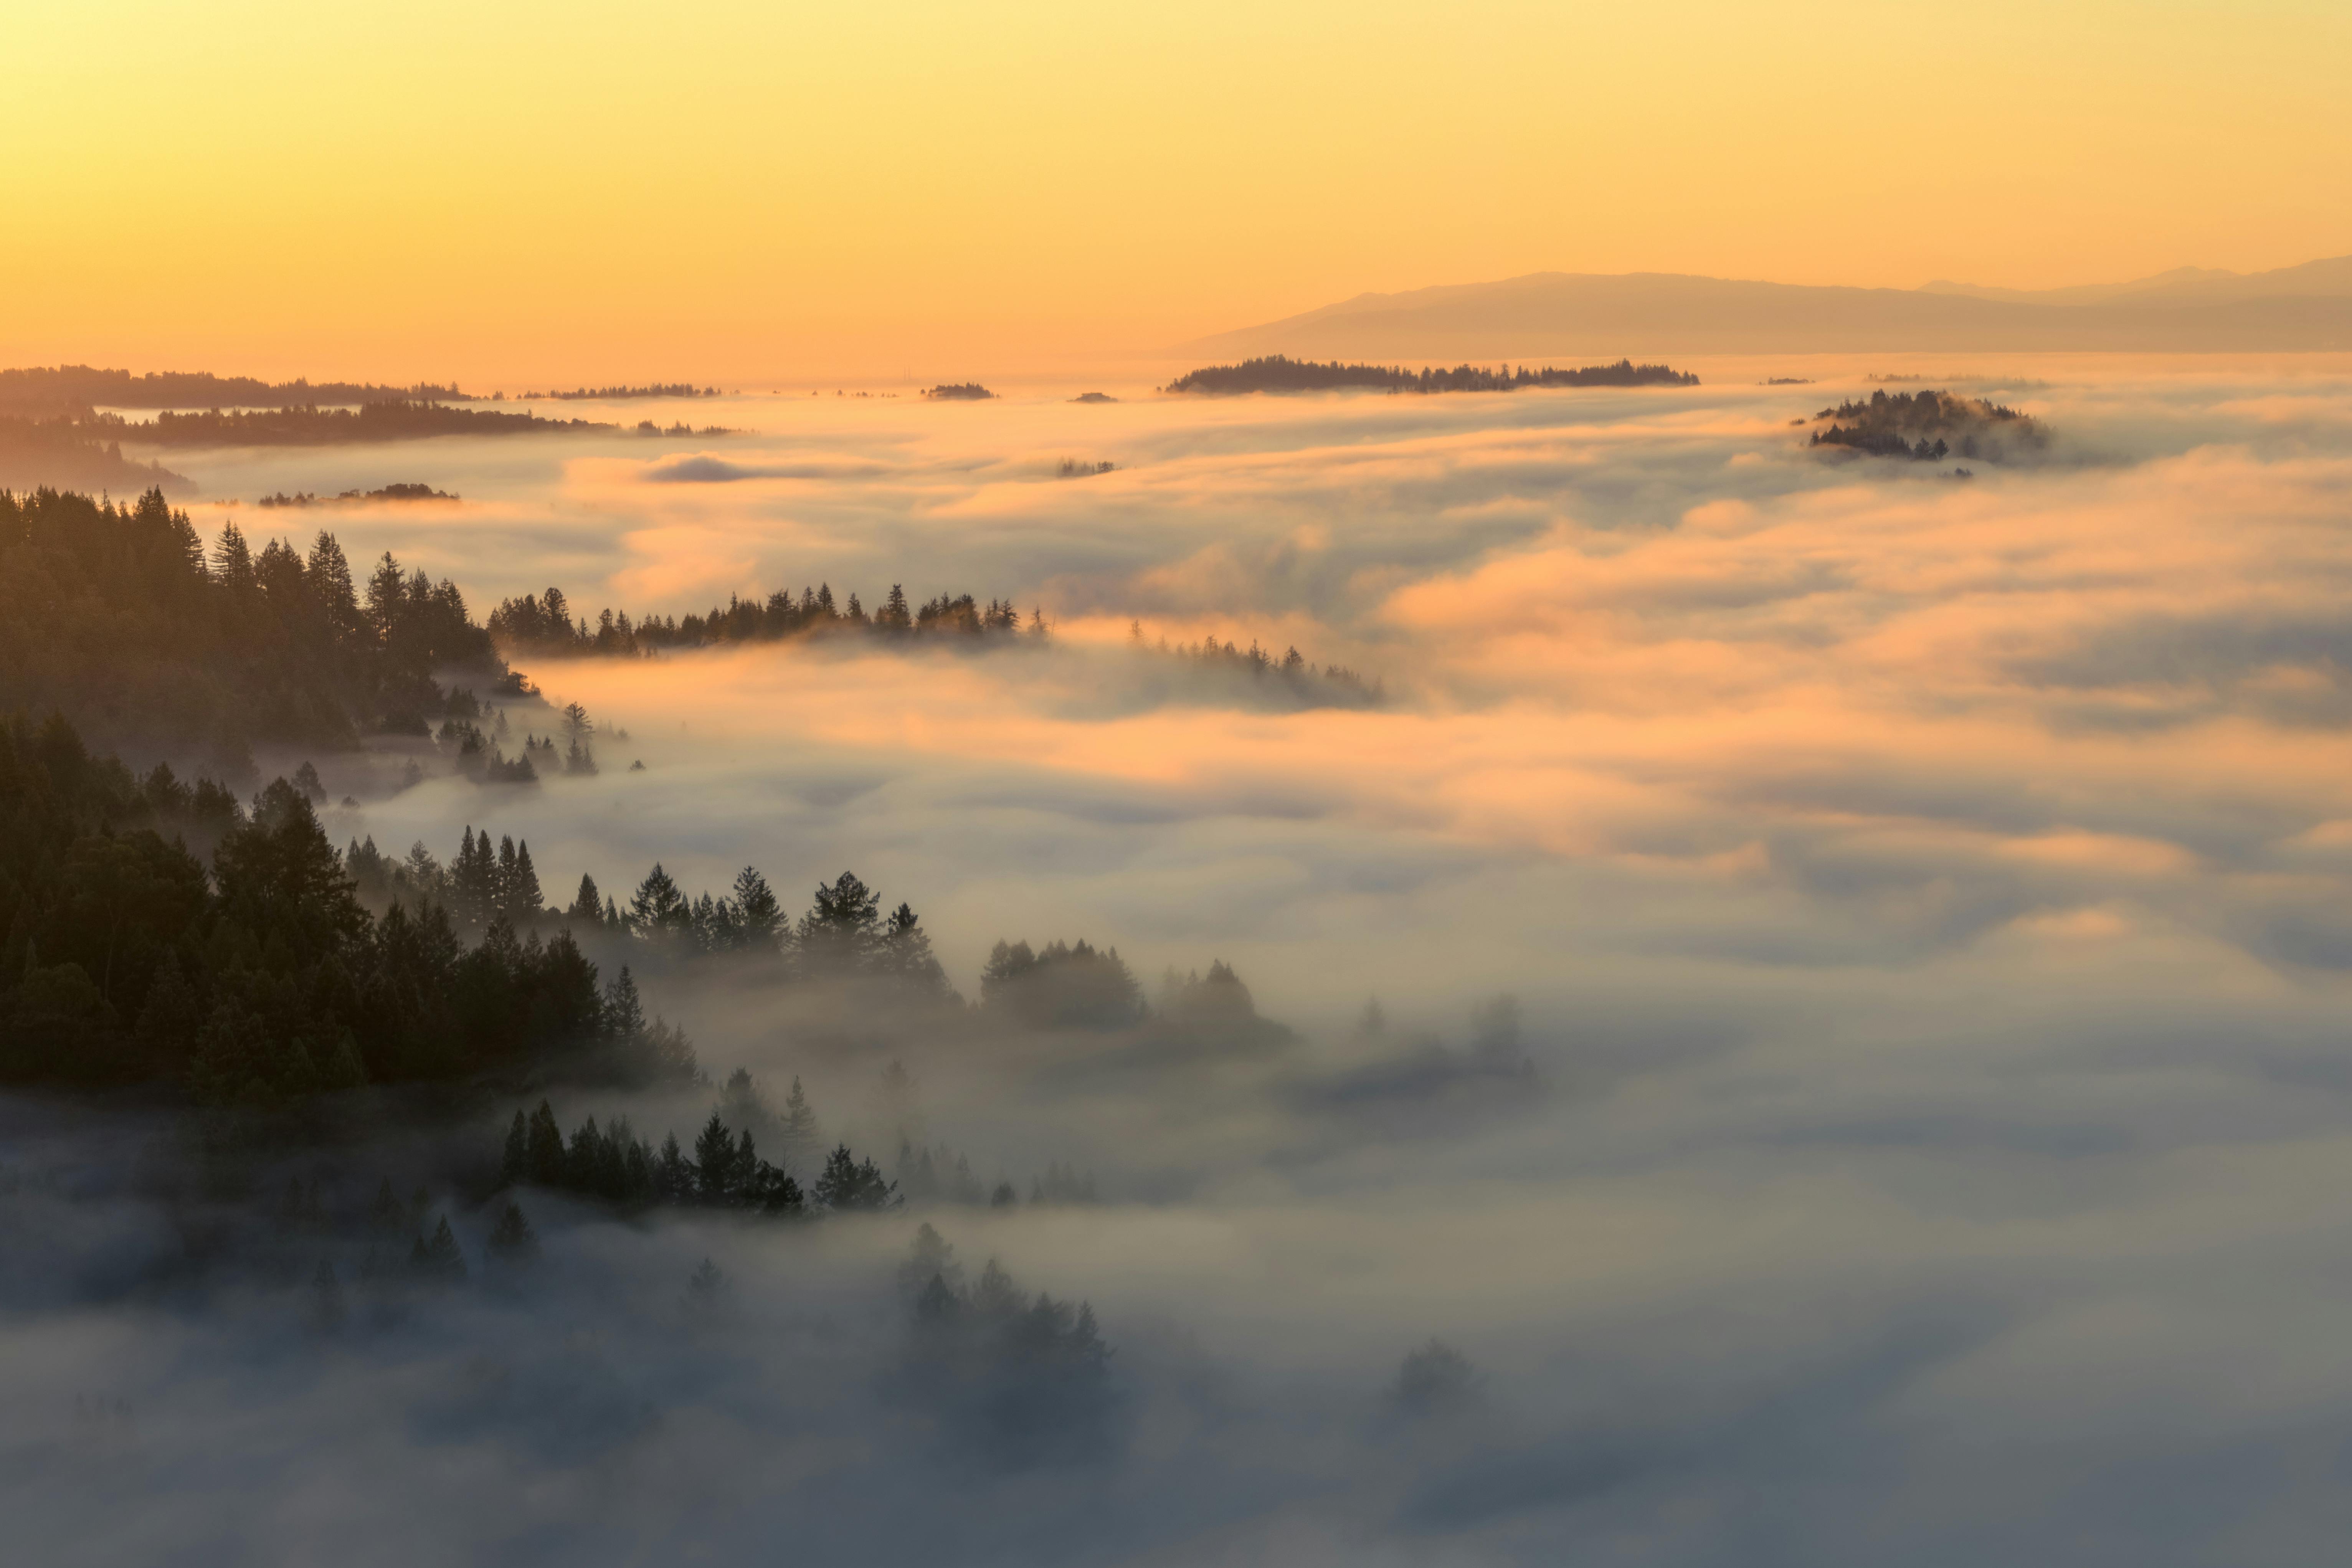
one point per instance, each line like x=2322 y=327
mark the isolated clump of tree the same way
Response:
x=1279 y=372
x=392 y=492
x=1022 y=1380
x=1065 y=985
x=1928 y=427
x=546 y=624
x=1435 y=1381
x=958 y=392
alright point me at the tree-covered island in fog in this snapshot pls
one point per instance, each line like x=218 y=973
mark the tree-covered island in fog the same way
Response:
x=619 y=394
x=1279 y=372
x=1928 y=426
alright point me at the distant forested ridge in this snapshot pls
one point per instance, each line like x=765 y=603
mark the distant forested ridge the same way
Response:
x=547 y=624
x=74 y=388
x=1928 y=427
x=1330 y=686
x=315 y=427
x=117 y=617
x=60 y=450
x=399 y=492
x=615 y=393
x=1277 y=372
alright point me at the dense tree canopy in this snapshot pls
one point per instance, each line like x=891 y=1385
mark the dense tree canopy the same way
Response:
x=118 y=616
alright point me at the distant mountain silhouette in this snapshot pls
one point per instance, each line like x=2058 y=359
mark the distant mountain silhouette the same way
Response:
x=1608 y=315
x=2330 y=278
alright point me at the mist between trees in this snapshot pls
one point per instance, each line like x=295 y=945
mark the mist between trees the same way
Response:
x=285 y=969
x=154 y=646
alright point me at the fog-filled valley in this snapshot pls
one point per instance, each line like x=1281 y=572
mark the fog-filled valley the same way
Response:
x=1583 y=974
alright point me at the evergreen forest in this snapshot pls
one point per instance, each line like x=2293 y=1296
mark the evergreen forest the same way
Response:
x=1279 y=372
x=1930 y=425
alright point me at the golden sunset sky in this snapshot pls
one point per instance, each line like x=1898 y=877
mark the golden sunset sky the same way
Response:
x=748 y=192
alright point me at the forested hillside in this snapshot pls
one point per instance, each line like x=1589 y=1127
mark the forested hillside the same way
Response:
x=263 y=978
x=119 y=618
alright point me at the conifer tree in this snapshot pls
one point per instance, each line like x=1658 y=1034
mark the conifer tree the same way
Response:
x=658 y=906
x=673 y=1176
x=330 y=576
x=385 y=1216
x=848 y=1185
x=707 y=1288
x=232 y=560
x=588 y=904
x=511 y=1238
x=624 y=1012
x=931 y=1259
x=759 y=917
x=523 y=898
x=714 y=1162
x=515 y=1164
x=546 y=1148
x=796 y=1129
x=438 y=1260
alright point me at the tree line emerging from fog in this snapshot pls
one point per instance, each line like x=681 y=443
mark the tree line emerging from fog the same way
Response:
x=1928 y=426
x=1333 y=685
x=615 y=393
x=385 y=492
x=77 y=389
x=265 y=979
x=1279 y=372
x=284 y=969
x=311 y=426
x=1020 y=1378
x=546 y=624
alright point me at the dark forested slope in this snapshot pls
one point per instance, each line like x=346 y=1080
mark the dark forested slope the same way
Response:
x=115 y=616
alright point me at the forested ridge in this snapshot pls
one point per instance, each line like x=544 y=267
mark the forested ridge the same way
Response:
x=616 y=394
x=119 y=617
x=60 y=449
x=264 y=976
x=77 y=388
x=309 y=425
x=1279 y=372
x=546 y=624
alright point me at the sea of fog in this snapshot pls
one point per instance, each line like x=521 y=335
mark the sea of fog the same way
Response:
x=1925 y=904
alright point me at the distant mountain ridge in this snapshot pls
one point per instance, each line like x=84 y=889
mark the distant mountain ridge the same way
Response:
x=2328 y=279
x=1609 y=315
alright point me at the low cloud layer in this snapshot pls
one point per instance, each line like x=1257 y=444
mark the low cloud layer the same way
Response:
x=1928 y=901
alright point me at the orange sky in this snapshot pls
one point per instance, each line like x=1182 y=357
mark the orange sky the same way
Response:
x=762 y=193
